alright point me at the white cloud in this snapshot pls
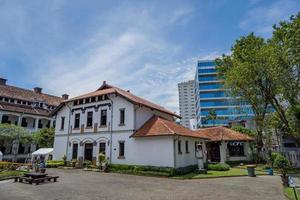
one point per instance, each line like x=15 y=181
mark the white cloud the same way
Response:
x=259 y=19
x=136 y=57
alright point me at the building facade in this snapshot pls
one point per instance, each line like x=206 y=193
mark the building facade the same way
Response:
x=29 y=109
x=187 y=105
x=212 y=97
x=125 y=128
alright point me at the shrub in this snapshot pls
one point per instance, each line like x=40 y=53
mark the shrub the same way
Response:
x=218 y=167
x=283 y=165
x=142 y=170
x=238 y=162
x=185 y=170
x=54 y=163
x=273 y=157
x=87 y=164
x=9 y=165
x=64 y=158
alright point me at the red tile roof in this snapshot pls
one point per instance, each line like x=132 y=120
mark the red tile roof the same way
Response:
x=157 y=126
x=23 y=109
x=28 y=95
x=222 y=134
x=106 y=89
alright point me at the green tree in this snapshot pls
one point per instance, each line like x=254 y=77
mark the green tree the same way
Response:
x=44 y=137
x=212 y=115
x=12 y=134
x=244 y=130
x=244 y=73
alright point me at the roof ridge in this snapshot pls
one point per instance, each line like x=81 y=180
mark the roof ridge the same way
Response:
x=19 y=88
x=162 y=121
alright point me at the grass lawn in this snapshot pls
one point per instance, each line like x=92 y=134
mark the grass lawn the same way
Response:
x=234 y=171
x=290 y=193
x=7 y=174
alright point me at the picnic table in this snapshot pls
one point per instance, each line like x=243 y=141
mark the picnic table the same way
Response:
x=35 y=175
x=35 y=178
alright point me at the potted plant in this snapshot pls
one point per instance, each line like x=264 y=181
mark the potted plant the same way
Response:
x=283 y=165
x=102 y=161
x=273 y=156
x=65 y=160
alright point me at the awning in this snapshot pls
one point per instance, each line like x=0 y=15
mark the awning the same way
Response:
x=43 y=151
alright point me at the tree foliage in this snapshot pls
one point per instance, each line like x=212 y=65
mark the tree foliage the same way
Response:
x=244 y=130
x=10 y=132
x=266 y=73
x=44 y=137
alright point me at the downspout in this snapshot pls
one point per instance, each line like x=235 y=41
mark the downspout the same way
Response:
x=174 y=151
x=111 y=126
x=68 y=133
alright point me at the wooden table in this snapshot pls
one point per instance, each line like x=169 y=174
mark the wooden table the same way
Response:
x=35 y=175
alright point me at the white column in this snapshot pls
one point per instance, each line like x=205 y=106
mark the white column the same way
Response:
x=96 y=152
x=247 y=150
x=19 y=120
x=1 y=114
x=36 y=125
x=223 y=152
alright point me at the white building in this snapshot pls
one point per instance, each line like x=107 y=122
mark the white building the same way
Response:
x=126 y=128
x=29 y=109
x=187 y=104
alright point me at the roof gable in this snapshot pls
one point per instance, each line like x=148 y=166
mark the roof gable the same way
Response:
x=223 y=134
x=106 y=89
x=158 y=126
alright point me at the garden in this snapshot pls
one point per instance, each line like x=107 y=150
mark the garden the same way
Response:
x=10 y=170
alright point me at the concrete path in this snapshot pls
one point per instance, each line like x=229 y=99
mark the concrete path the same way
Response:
x=77 y=184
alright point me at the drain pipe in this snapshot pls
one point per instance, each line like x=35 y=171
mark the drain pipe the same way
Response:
x=111 y=126
x=68 y=133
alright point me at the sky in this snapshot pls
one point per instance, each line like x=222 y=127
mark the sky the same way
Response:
x=147 y=47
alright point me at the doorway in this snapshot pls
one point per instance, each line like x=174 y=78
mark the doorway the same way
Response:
x=88 y=151
x=213 y=151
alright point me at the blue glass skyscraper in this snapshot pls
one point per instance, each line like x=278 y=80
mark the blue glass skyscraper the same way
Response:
x=212 y=96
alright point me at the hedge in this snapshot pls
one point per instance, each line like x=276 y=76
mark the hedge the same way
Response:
x=54 y=163
x=151 y=170
x=218 y=167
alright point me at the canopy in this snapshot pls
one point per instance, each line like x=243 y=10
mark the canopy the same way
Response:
x=43 y=151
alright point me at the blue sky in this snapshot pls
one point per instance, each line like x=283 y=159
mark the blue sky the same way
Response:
x=145 y=46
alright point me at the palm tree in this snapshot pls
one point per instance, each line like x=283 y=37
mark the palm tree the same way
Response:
x=212 y=115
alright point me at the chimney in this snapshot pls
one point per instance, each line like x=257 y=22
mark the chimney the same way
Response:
x=38 y=90
x=104 y=82
x=3 y=81
x=65 y=96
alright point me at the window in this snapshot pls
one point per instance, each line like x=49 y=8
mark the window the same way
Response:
x=122 y=116
x=62 y=125
x=102 y=146
x=179 y=147
x=236 y=148
x=103 y=118
x=187 y=147
x=89 y=119
x=23 y=122
x=121 y=149
x=74 y=151
x=77 y=120
x=40 y=124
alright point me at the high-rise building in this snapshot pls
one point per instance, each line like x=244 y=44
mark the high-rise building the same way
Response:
x=187 y=106
x=215 y=106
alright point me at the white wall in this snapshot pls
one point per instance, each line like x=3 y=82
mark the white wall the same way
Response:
x=154 y=151
x=60 y=145
x=143 y=114
x=186 y=159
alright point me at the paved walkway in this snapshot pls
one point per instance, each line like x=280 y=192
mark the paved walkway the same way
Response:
x=77 y=184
